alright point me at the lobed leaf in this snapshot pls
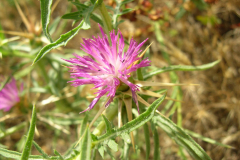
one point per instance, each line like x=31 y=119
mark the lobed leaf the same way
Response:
x=134 y=124
x=101 y=150
x=108 y=124
x=63 y=40
x=45 y=16
x=181 y=68
x=113 y=145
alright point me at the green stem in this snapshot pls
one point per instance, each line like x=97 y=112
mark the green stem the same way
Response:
x=110 y=114
x=12 y=130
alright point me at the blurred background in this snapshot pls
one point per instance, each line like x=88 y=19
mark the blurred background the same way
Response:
x=190 y=32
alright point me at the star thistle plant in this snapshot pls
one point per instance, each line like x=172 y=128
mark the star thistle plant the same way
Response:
x=108 y=66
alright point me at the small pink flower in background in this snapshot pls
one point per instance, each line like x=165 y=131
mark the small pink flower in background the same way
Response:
x=108 y=66
x=9 y=96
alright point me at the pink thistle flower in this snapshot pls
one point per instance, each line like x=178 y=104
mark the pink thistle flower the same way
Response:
x=9 y=96
x=108 y=67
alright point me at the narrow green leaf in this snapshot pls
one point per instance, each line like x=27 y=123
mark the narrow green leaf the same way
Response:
x=94 y=153
x=75 y=155
x=12 y=130
x=113 y=145
x=181 y=153
x=54 y=25
x=63 y=40
x=206 y=139
x=134 y=124
x=45 y=16
x=180 y=137
x=180 y=13
x=73 y=15
x=58 y=154
x=28 y=144
x=84 y=124
x=23 y=72
x=108 y=124
x=156 y=154
x=86 y=146
x=182 y=68
x=79 y=6
x=147 y=140
x=83 y=129
x=125 y=2
x=126 y=11
x=200 y=4
x=70 y=150
x=40 y=150
x=96 y=19
x=16 y=155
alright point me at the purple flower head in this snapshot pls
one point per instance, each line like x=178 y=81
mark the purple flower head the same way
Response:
x=9 y=96
x=108 y=65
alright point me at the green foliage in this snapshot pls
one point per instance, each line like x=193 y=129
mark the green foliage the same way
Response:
x=28 y=144
x=16 y=155
x=206 y=139
x=44 y=155
x=63 y=40
x=134 y=124
x=117 y=12
x=85 y=12
x=12 y=130
x=86 y=146
x=45 y=16
x=181 y=68
x=180 y=137
x=156 y=155
x=55 y=84
x=147 y=140
x=113 y=145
